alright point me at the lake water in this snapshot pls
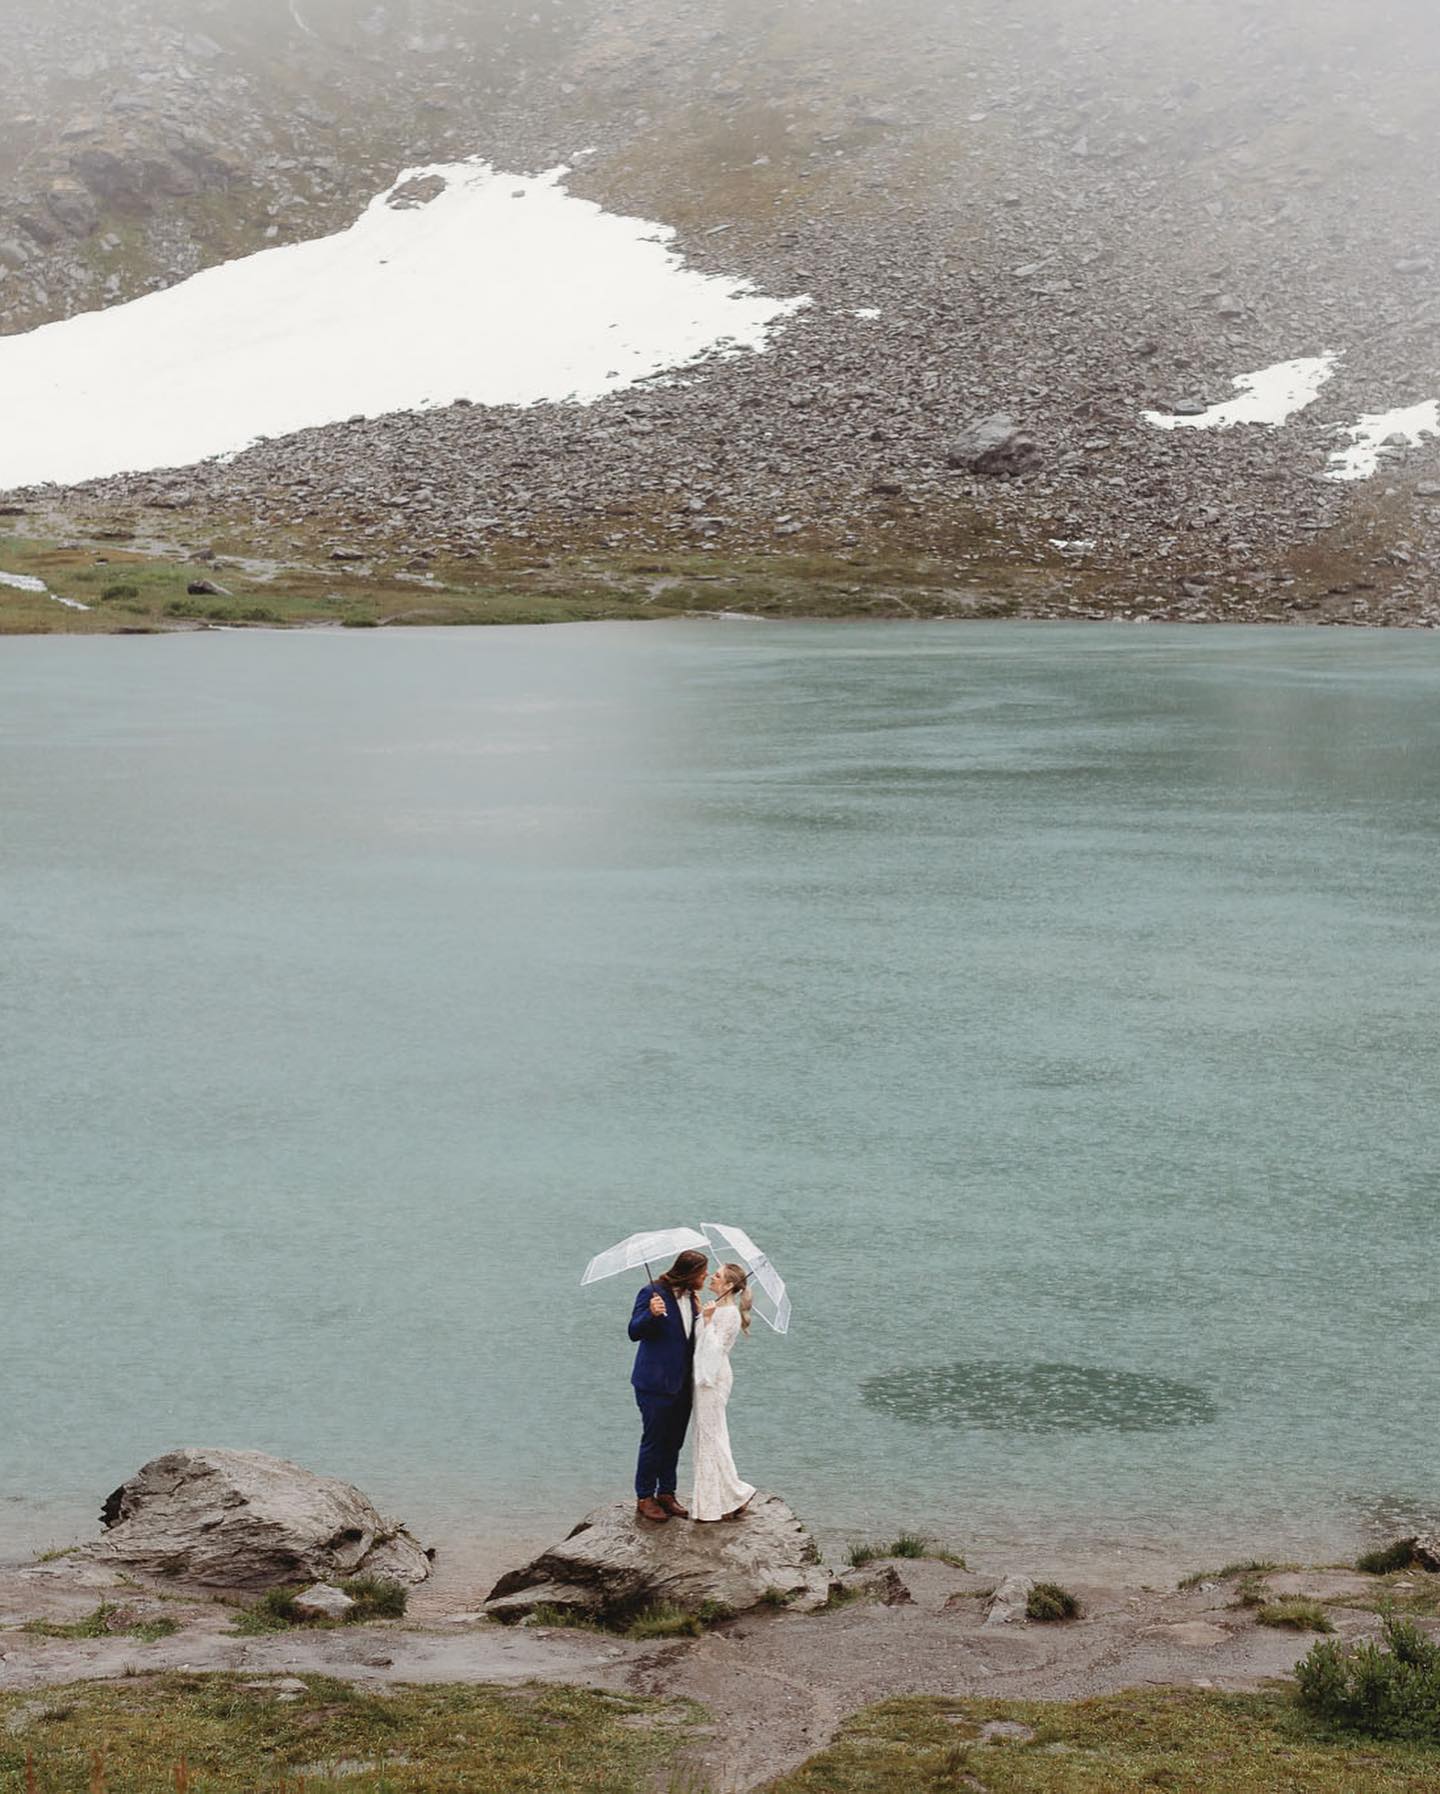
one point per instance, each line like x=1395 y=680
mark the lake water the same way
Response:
x=1057 y=1004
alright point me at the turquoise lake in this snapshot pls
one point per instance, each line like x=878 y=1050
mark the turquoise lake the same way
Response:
x=1058 y=1005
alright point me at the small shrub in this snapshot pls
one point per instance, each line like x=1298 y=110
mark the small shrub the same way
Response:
x=358 y=620
x=860 y=1555
x=120 y=591
x=273 y=1612
x=1383 y=1693
x=665 y=1622
x=776 y=1597
x=375 y=1599
x=909 y=1544
x=1048 y=1601
x=714 y=1613
x=1387 y=1558
x=1295 y=1613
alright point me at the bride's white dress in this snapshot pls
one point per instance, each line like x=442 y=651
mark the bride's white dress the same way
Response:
x=718 y=1488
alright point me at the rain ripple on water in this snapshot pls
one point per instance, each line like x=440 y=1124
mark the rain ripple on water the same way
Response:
x=1038 y=1398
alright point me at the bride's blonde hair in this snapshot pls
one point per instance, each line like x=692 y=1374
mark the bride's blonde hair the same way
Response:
x=738 y=1279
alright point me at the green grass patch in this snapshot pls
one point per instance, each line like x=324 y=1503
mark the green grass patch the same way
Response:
x=1389 y=1690
x=1251 y=1566
x=104 y=1621
x=275 y=1611
x=909 y=1544
x=1050 y=1602
x=1187 y=1741
x=665 y=1622
x=1295 y=1613
x=234 y=1739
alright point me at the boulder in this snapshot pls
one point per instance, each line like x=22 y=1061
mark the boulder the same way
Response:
x=1426 y=1551
x=322 y=1601
x=613 y=1566
x=996 y=445
x=1009 y=1601
x=244 y=1520
x=880 y=1582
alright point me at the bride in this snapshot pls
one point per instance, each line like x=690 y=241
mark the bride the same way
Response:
x=719 y=1492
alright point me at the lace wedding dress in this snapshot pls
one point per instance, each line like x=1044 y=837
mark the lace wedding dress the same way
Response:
x=718 y=1488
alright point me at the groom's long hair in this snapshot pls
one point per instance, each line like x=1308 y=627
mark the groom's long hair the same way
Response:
x=680 y=1278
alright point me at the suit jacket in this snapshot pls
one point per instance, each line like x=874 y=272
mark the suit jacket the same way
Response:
x=663 y=1362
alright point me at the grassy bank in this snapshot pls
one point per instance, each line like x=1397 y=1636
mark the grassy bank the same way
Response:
x=1179 y=1739
x=228 y=1735
x=129 y=592
x=225 y=1735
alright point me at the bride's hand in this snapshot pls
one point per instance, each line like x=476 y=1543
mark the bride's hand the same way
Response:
x=707 y=1311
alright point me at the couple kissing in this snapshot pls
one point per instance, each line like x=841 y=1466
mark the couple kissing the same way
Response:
x=682 y=1364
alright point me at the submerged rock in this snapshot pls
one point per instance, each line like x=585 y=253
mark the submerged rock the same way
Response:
x=613 y=1565
x=244 y=1520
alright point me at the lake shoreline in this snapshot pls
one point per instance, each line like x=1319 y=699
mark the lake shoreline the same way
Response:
x=776 y=1685
x=137 y=579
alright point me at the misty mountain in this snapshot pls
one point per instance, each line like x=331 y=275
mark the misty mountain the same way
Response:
x=1064 y=211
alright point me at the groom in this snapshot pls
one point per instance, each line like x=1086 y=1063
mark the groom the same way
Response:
x=663 y=1326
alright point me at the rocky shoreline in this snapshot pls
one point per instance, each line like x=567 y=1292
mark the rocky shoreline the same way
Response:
x=778 y=1648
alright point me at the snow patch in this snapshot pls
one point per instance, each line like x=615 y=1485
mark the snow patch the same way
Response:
x=1412 y=423
x=868 y=311
x=1268 y=396
x=27 y=582
x=466 y=296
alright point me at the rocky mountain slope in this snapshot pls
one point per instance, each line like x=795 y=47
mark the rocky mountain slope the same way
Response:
x=1063 y=212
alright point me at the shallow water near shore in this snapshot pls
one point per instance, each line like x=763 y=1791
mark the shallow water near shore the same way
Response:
x=1056 y=1004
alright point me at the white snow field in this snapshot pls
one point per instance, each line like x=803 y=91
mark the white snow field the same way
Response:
x=1268 y=396
x=501 y=289
x=1412 y=423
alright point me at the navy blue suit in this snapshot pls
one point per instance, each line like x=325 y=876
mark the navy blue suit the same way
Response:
x=661 y=1378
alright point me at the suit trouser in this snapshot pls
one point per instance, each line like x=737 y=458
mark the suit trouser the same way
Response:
x=663 y=1420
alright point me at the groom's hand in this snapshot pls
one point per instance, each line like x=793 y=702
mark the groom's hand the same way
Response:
x=657 y=1307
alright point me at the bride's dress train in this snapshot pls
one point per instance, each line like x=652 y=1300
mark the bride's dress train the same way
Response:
x=718 y=1488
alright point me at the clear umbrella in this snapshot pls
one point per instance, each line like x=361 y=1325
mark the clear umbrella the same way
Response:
x=767 y=1286
x=645 y=1249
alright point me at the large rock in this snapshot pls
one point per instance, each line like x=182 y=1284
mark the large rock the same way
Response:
x=243 y=1520
x=613 y=1565
x=997 y=445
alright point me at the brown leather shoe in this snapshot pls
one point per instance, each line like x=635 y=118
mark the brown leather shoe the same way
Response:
x=647 y=1508
x=673 y=1507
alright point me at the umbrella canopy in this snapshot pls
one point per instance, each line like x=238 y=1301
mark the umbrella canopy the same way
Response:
x=767 y=1286
x=645 y=1249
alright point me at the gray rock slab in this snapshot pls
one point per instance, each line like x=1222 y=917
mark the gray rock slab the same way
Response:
x=613 y=1563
